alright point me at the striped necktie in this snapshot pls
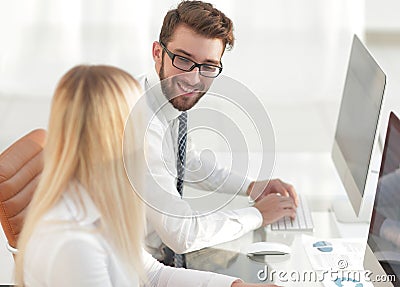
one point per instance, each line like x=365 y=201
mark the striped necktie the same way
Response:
x=179 y=259
x=181 y=156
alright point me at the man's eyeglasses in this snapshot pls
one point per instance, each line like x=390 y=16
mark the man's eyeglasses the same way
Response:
x=184 y=64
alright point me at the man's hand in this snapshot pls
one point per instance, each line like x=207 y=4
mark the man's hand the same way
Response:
x=257 y=190
x=275 y=206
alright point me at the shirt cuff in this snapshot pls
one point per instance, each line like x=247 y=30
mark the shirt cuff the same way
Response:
x=219 y=280
x=250 y=217
x=245 y=186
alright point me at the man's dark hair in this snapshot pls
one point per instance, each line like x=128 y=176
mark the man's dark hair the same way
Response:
x=203 y=18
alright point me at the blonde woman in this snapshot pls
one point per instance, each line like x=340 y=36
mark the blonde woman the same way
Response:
x=85 y=223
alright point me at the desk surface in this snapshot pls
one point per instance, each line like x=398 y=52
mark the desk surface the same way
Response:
x=314 y=176
x=326 y=226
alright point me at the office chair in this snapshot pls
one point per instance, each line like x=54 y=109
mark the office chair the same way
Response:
x=20 y=167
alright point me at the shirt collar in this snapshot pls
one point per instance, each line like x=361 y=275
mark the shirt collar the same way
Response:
x=80 y=205
x=157 y=99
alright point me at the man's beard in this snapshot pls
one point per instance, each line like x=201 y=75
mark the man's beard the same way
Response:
x=169 y=88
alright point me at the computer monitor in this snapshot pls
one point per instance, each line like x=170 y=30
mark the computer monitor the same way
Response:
x=357 y=122
x=384 y=231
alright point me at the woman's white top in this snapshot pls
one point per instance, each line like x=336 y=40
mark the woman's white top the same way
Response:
x=66 y=249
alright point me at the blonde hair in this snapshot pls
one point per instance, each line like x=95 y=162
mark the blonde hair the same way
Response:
x=85 y=144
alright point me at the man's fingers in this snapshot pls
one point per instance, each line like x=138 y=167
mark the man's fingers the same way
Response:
x=287 y=203
x=288 y=207
x=291 y=212
x=293 y=215
x=291 y=192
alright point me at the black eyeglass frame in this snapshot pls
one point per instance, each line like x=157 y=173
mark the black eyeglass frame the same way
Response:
x=172 y=57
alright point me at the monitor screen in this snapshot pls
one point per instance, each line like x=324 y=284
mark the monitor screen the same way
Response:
x=384 y=232
x=358 y=120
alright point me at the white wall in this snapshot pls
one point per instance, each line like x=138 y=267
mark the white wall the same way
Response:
x=382 y=15
x=290 y=53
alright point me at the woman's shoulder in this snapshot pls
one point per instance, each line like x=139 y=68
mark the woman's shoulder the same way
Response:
x=58 y=229
x=65 y=224
x=55 y=250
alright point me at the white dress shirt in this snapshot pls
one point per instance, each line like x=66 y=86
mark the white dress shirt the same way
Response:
x=170 y=218
x=67 y=250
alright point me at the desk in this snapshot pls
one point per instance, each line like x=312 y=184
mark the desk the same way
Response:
x=325 y=227
x=314 y=176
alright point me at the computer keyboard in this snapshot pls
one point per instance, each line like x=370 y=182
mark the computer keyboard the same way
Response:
x=302 y=222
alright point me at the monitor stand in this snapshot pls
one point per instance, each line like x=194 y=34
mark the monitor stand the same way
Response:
x=343 y=208
x=344 y=212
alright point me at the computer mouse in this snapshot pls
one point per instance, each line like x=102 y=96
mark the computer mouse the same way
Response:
x=267 y=248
